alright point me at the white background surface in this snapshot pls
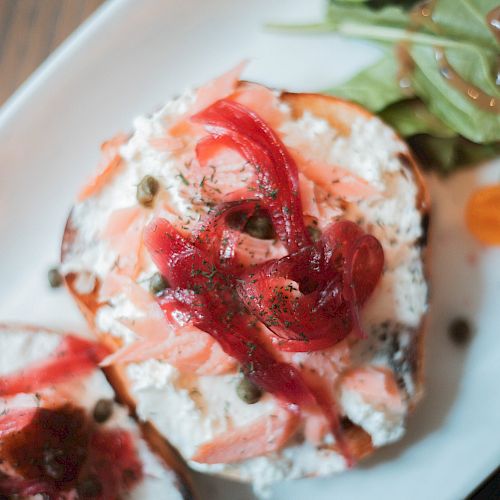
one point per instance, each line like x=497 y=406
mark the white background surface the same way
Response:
x=126 y=60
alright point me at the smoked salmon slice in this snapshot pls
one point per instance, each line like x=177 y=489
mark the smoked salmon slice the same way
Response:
x=167 y=143
x=376 y=385
x=184 y=346
x=15 y=420
x=110 y=164
x=334 y=179
x=123 y=231
x=264 y=100
x=218 y=88
x=264 y=435
x=73 y=357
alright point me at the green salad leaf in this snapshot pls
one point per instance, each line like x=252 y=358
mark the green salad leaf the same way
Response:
x=445 y=154
x=437 y=108
x=460 y=28
x=375 y=87
x=455 y=23
x=465 y=20
x=452 y=106
x=411 y=117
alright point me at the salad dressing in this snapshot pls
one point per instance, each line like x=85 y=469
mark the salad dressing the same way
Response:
x=421 y=15
x=493 y=22
x=482 y=100
x=406 y=65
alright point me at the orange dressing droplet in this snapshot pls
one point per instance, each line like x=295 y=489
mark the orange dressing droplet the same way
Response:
x=482 y=214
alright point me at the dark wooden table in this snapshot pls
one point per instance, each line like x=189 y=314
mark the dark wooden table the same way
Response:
x=30 y=30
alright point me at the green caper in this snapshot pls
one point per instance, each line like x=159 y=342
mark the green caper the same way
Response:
x=314 y=232
x=157 y=284
x=460 y=331
x=55 y=277
x=260 y=226
x=89 y=487
x=248 y=392
x=147 y=190
x=103 y=409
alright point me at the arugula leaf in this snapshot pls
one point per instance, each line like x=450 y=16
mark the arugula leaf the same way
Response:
x=466 y=20
x=449 y=104
x=374 y=87
x=342 y=13
x=447 y=153
x=411 y=117
x=469 y=152
x=343 y=16
x=435 y=144
x=377 y=4
x=459 y=23
x=471 y=49
x=434 y=152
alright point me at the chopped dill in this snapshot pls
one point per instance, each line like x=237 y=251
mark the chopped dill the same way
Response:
x=183 y=179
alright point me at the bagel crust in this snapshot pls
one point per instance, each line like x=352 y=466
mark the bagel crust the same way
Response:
x=189 y=409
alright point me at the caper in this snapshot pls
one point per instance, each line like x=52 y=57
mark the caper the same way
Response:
x=248 y=392
x=314 y=232
x=460 y=331
x=157 y=284
x=260 y=226
x=89 y=487
x=147 y=190
x=55 y=277
x=103 y=409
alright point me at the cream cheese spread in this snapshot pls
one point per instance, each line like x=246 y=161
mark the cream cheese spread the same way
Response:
x=190 y=410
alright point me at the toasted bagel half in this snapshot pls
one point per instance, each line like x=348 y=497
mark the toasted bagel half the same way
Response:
x=351 y=166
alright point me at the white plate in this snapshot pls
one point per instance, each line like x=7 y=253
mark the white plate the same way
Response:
x=127 y=59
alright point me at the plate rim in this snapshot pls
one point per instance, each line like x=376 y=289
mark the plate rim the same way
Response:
x=50 y=69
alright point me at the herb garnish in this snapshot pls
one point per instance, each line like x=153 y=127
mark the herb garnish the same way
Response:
x=183 y=179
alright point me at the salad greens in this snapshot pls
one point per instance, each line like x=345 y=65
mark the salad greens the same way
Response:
x=441 y=121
